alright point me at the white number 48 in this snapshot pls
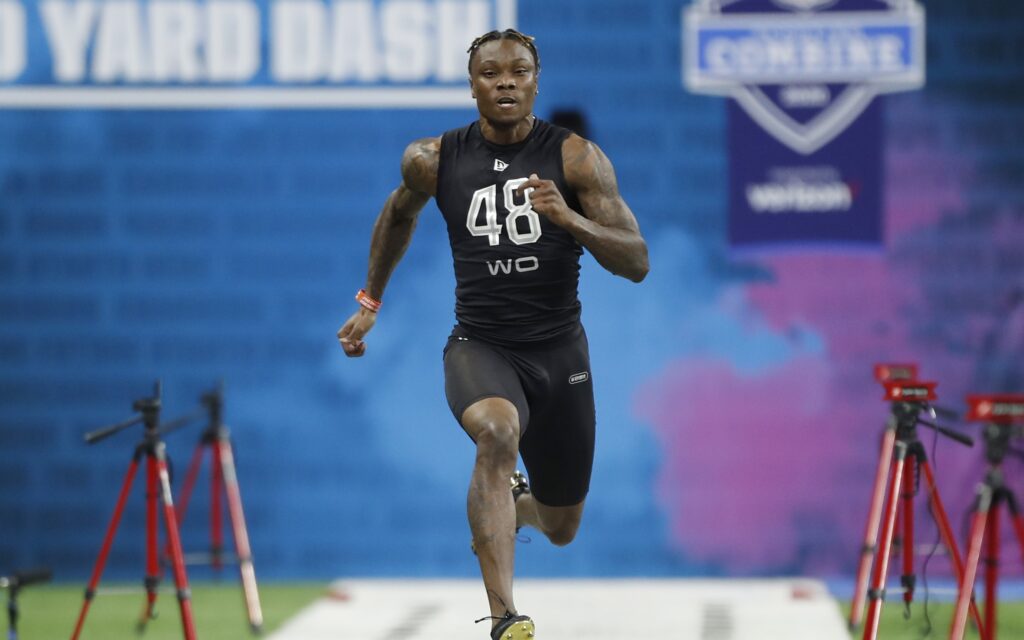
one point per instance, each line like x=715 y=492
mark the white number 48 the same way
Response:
x=487 y=199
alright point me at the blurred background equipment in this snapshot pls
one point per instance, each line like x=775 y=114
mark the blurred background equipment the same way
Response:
x=13 y=584
x=883 y=373
x=216 y=440
x=158 y=489
x=906 y=461
x=1003 y=428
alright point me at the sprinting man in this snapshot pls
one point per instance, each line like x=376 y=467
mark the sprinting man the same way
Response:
x=522 y=199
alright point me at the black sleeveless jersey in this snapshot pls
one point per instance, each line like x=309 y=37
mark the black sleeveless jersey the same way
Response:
x=516 y=272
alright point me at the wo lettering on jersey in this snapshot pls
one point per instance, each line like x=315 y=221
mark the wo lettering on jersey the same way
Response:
x=519 y=265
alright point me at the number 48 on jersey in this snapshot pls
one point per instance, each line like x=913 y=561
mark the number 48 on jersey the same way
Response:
x=487 y=199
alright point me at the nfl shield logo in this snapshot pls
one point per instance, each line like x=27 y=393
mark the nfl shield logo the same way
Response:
x=803 y=73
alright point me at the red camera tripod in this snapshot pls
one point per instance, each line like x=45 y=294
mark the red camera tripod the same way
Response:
x=1001 y=413
x=883 y=373
x=902 y=461
x=223 y=479
x=157 y=484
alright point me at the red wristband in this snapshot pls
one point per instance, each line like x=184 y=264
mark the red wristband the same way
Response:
x=364 y=299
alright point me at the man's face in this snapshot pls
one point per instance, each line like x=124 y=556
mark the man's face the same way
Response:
x=503 y=79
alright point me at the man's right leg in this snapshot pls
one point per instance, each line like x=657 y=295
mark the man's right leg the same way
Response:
x=493 y=423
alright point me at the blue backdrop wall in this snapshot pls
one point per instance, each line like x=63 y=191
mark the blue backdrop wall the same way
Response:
x=737 y=416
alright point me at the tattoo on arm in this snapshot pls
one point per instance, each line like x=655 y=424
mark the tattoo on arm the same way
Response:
x=610 y=230
x=591 y=174
x=419 y=165
x=397 y=220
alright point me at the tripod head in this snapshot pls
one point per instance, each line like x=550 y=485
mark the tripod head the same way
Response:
x=24 y=578
x=909 y=400
x=149 y=415
x=212 y=403
x=213 y=400
x=1005 y=408
x=1003 y=416
x=13 y=584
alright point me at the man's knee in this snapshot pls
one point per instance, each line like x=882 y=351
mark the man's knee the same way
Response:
x=494 y=426
x=560 y=525
x=497 y=440
x=497 y=436
x=563 y=535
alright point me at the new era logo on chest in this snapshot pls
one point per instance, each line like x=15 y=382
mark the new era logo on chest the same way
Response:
x=499 y=165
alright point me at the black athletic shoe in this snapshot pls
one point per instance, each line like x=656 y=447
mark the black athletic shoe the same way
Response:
x=513 y=628
x=520 y=486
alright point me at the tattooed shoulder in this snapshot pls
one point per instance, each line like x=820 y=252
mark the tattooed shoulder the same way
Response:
x=586 y=166
x=419 y=165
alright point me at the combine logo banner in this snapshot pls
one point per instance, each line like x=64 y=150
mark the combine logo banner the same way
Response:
x=804 y=126
x=239 y=53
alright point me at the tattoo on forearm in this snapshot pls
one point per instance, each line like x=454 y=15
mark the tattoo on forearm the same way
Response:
x=394 y=227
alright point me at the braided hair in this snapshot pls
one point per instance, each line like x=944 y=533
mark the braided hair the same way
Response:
x=507 y=34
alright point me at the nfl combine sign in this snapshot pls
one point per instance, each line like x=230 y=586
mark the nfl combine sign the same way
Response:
x=805 y=129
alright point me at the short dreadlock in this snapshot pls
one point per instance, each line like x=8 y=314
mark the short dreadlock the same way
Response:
x=507 y=34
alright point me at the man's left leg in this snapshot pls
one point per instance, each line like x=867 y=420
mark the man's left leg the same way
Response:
x=558 y=447
x=558 y=524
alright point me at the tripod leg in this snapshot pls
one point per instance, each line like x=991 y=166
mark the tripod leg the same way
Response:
x=907 y=496
x=101 y=560
x=152 y=579
x=190 y=480
x=1017 y=518
x=876 y=595
x=1018 y=528
x=12 y=614
x=860 y=589
x=948 y=538
x=174 y=540
x=226 y=461
x=216 y=524
x=181 y=507
x=971 y=569
x=991 y=570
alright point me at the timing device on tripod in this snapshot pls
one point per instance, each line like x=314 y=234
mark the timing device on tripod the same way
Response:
x=883 y=373
x=902 y=463
x=158 y=485
x=1003 y=420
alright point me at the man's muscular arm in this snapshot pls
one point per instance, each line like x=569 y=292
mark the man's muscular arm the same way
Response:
x=606 y=226
x=397 y=220
x=392 y=233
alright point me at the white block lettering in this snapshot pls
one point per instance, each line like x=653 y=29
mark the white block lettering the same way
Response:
x=174 y=40
x=12 y=40
x=233 y=41
x=407 y=54
x=300 y=35
x=354 y=44
x=120 y=53
x=68 y=29
x=457 y=24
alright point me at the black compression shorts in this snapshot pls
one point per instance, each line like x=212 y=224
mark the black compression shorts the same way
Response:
x=551 y=387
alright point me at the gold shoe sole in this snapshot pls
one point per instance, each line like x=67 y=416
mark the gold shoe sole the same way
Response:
x=519 y=631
